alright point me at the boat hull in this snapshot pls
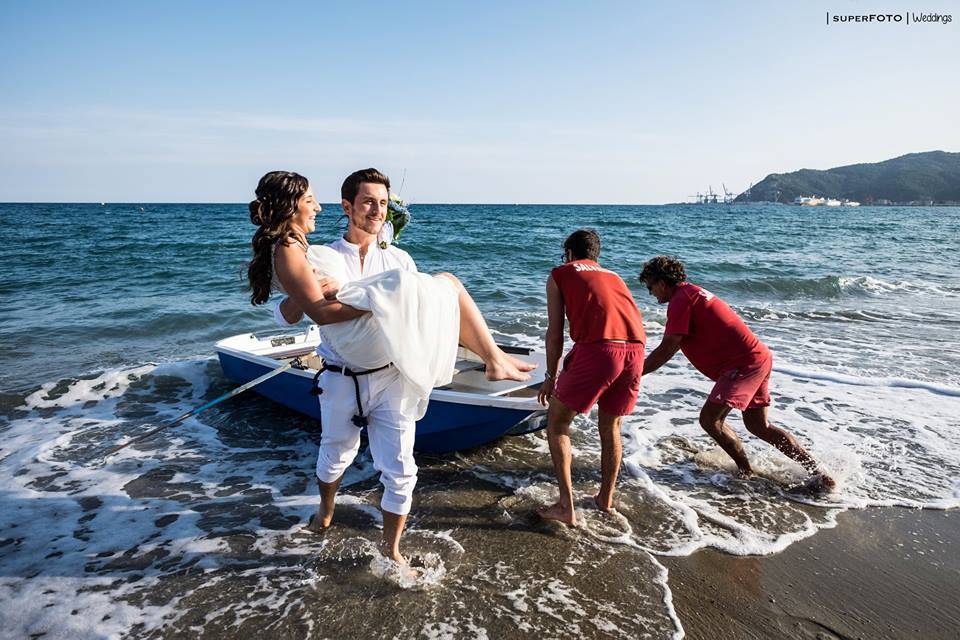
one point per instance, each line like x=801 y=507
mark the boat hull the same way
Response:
x=447 y=425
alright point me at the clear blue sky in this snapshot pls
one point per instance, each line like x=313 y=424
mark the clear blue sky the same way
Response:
x=604 y=102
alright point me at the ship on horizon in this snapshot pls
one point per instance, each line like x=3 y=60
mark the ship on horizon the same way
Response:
x=816 y=201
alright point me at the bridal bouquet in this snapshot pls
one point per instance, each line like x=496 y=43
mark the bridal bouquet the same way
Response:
x=398 y=215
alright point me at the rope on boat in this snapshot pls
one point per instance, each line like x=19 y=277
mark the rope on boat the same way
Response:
x=249 y=385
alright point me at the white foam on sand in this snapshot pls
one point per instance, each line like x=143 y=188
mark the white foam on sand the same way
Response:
x=83 y=540
x=886 y=442
x=79 y=533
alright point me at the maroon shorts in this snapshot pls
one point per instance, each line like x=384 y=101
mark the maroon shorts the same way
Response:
x=744 y=387
x=601 y=373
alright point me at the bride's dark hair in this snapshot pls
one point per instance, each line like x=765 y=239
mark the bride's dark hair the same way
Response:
x=278 y=193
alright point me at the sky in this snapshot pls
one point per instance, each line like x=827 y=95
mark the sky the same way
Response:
x=461 y=102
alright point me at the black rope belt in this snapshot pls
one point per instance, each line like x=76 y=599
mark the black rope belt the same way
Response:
x=359 y=419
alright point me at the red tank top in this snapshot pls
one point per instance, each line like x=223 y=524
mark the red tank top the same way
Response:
x=598 y=304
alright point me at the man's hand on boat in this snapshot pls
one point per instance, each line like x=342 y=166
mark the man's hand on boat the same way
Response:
x=546 y=390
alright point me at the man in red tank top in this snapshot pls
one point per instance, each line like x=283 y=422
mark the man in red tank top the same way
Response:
x=603 y=368
x=718 y=343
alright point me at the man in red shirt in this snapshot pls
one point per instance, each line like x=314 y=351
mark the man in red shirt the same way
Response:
x=603 y=368
x=718 y=343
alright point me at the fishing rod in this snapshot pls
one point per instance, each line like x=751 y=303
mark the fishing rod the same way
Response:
x=293 y=363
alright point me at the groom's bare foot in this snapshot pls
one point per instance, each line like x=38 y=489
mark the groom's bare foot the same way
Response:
x=316 y=524
x=320 y=521
x=559 y=513
x=404 y=564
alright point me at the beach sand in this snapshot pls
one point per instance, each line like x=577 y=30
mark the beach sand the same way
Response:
x=881 y=573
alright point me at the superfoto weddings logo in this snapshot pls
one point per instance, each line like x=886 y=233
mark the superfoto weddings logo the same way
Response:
x=905 y=18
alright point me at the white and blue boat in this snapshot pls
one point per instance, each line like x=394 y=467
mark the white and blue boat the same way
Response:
x=468 y=412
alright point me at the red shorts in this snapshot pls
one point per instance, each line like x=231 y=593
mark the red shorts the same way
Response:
x=602 y=373
x=745 y=387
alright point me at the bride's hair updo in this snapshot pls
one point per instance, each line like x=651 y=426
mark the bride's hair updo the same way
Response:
x=278 y=193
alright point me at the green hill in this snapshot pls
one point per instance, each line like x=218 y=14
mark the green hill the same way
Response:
x=916 y=177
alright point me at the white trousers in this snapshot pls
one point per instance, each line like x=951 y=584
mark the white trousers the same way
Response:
x=390 y=432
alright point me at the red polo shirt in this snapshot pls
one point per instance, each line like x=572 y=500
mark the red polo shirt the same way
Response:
x=715 y=339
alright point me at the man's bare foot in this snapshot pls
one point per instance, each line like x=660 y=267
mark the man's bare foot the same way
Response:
x=604 y=504
x=558 y=512
x=404 y=564
x=503 y=369
x=320 y=521
x=393 y=554
x=820 y=483
x=317 y=523
x=827 y=482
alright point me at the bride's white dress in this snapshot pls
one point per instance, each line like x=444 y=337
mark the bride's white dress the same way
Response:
x=414 y=322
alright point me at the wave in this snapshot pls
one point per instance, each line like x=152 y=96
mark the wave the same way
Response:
x=859 y=381
x=833 y=286
x=824 y=315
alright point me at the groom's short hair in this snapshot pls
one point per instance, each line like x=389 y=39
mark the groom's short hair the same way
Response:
x=351 y=186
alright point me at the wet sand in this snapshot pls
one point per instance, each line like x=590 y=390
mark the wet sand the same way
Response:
x=881 y=573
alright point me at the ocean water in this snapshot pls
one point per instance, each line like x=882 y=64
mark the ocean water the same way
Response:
x=108 y=318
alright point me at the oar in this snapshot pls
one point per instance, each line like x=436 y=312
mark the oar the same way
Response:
x=193 y=412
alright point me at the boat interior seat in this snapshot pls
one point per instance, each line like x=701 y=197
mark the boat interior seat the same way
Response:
x=463 y=366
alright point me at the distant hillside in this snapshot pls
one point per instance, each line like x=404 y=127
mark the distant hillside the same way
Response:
x=915 y=177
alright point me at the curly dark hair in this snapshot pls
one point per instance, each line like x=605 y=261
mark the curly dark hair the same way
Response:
x=278 y=193
x=663 y=268
x=583 y=244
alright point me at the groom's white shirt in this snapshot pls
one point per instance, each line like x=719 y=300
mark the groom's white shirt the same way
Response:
x=376 y=261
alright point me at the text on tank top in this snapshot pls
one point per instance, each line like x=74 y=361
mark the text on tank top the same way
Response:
x=598 y=303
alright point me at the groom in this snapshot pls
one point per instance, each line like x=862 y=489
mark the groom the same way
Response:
x=390 y=417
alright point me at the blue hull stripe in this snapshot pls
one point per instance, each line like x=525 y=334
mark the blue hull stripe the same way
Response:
x=447 y=426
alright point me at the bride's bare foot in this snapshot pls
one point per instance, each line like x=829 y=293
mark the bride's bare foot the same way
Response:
x=503 y=369
x=521 y=365
x=558 y=512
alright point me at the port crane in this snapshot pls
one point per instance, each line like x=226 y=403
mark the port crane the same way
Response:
x=712 y=197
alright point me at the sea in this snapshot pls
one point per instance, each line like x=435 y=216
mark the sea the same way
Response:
x=110 y=313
